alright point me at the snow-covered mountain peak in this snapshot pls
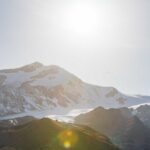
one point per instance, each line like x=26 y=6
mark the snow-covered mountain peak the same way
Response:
x=35 y=74
x=37 y=87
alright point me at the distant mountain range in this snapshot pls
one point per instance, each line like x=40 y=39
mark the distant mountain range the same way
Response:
x=36 y=87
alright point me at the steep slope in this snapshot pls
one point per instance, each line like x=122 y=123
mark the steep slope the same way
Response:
x=136 y=136
x=124 y=129
x=47 y=134
x=36 y=87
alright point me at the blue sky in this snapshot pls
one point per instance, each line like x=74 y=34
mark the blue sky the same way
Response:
x=104 y=42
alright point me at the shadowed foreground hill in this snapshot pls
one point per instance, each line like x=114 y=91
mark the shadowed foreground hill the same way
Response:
x=124 y=129
x=46 y=134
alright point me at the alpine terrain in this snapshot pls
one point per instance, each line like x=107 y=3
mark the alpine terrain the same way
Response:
x=36 y=88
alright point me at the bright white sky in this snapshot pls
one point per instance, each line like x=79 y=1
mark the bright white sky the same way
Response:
x=104 y=42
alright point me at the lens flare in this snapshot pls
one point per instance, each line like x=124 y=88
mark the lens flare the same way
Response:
x=67 y=144
x=68 y=138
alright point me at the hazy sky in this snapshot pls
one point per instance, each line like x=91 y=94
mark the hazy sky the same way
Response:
x=104 y=42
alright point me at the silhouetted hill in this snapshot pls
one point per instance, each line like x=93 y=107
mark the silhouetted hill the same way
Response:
x=108 y=121
x=46 y=134
x=120 y=125
x=136 y=135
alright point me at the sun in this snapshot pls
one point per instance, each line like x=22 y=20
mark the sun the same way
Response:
x=81 y=19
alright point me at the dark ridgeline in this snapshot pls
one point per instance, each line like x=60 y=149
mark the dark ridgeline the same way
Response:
x=46 y=134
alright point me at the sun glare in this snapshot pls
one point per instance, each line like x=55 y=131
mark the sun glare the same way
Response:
x=67 y=144
x=81 y=19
